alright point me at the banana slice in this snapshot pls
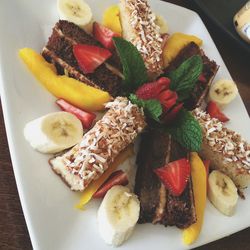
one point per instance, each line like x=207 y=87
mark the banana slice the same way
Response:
x=118 y=215
x=75 y=11
x=54 y=132
x=223 y=92
x=222 y=192
x=160 y=21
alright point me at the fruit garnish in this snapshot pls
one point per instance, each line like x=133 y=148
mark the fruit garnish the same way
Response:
x=168 y=99
x=73 y=91
x=86 y=118
x=199 y=177
x=152 y=90
x=88 y=193
x=172 y=114
x=90 y=57
x=202 y=78
x=214 y=111
x=111 y=19
x=175 y=175
x=117 y=178
x=104 y=35
x=175 y=43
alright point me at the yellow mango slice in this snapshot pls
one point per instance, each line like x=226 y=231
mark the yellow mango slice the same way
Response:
x=199 y=180
x=93 y=187
x=111 y=19
x=175 y=43
x=75 y=92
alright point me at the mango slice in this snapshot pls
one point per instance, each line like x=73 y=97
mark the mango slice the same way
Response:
x=199 y=180
x=93 y=187
x=75 y=92
x=175 y=43
x=111 y=19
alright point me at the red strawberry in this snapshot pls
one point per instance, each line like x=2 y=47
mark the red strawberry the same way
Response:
x=175 y=175
x=152 y=90
x=116 y=178
x=215 y=112
x=167 y=98
x=171 y=115
x=104 y=35
x=202 y=78
x=90 y=57
x=86 y=118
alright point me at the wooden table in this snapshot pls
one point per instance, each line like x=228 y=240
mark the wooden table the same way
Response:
x=13 y=231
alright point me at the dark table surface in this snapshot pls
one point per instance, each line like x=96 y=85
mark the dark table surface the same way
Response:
x=13 y=230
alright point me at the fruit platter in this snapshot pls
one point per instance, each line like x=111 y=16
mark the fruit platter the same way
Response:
x=127 y=127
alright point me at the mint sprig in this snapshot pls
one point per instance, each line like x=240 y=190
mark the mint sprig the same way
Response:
x=151 y=107
x=184 y=78
x=187 y=131
x=134 y=70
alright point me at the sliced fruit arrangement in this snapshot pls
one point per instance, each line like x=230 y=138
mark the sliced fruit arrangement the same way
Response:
x=54 y=132
x=223 y=92
x=222 y=192
x=86 y=118
x=199 y=177
x=214 y=111
x=69 y=89
x=175 y=175
x=117 y=178
x=111 y=19
x=117 y=215
x=175 y=43
x=75 y=11
x=90 y=57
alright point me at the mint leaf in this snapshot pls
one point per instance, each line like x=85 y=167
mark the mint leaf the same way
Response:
x=184 y=78
x=134 y=70
x=151 y=107
x=187 y=131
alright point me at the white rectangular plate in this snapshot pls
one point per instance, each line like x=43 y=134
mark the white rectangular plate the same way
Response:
x=47 y=203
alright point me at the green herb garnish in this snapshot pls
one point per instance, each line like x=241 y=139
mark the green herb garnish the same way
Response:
x=184 y=78
x=186 y=130
x=151 y=107
x=134 y=70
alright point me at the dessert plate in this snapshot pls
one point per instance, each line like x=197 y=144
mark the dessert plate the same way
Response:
x=48 y=204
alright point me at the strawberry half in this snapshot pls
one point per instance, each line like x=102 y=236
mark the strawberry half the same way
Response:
x=168 y=99
x=116 y=178
x=86 y=118
x=104 y=35
x=175 y=175
x=90 y=57
x=214 y=111
x=172 y=114
x=153 y=89
x=202 y=78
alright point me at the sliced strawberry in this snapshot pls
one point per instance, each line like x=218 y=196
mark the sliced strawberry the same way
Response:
x=90 y=57
x=175 y=175
x=215 y=112
x=116 y=178
x=202 y=78
x=168 y=98
x=104 y=35
x=207 y=164
x=86 y=118
x=171 y=115
x=151 y=90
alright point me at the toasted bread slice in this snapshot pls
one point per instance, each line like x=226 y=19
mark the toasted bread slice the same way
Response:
x=226 y=150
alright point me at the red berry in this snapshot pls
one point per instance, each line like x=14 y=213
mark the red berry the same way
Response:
x=214 y=111
x=168 y=99
x=172 y=114
x=175 y=175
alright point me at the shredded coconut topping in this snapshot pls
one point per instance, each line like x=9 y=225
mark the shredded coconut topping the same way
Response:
x=110 y=135
x=148 y=40
x=224 y=140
